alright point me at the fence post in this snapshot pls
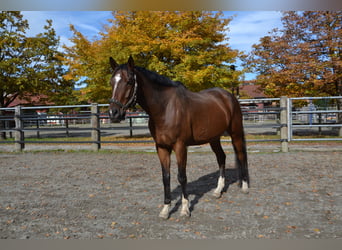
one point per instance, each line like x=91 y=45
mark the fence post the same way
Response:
x=130 y=127
x=37 y=124
x=19 y=134
x=3 y=125
x=67 y=126
x=95 y=124
x=283 y=124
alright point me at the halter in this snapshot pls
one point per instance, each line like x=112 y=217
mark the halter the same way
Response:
x=132 y=100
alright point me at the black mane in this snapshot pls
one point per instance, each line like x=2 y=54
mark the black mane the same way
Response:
x=159 y=79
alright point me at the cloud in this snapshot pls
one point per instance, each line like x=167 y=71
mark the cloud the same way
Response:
x=89 y=23
x=248 y=27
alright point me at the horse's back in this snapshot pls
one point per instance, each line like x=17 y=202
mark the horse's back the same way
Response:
x=214 y=98
x=218 y=93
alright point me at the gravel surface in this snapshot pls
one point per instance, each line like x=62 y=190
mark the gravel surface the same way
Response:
x=118 y=195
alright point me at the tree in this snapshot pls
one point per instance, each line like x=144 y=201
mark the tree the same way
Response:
x=186 y=46
x=302 y=59
x=30 y=65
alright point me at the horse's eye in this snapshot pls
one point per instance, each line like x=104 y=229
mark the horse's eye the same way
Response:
x=131 y=81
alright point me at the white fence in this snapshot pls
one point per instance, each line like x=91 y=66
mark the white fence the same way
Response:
x=314 y=118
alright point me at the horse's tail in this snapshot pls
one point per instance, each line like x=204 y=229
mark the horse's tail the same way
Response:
x=239 y=142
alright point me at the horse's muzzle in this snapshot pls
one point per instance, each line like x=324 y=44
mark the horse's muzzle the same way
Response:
x=116 y=115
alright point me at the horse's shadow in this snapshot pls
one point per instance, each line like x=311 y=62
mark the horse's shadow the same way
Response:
x=201 y=186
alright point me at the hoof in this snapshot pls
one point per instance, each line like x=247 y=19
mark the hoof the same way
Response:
x=245 y=191
x=244 y=187
x=185 y=214
x=165 y=212
x=217 y=195
x=163 y=216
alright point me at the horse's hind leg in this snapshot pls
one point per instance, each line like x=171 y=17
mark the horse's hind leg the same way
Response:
x=221 y=160
x=239 y=144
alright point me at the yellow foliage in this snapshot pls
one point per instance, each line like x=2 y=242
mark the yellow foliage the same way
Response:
x=186 y=46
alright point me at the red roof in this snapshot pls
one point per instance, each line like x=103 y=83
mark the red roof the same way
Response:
x=31 y=100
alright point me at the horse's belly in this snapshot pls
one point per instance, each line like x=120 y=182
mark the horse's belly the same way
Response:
x=210 y=116
x=205 y=131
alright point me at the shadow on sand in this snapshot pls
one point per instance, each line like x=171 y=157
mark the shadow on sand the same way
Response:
x=201 y=186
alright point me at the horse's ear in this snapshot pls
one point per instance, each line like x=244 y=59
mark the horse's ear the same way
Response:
x=113 y=63
x=130 y=63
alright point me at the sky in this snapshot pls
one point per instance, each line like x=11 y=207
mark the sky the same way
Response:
x=246 y=28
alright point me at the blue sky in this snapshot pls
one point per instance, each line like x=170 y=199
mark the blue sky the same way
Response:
x=246 y=28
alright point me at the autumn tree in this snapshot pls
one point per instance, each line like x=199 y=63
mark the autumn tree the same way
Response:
x=303 y=58
x=190 y=47
x=30 y=65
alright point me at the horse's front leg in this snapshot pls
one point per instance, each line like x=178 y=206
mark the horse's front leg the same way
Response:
x=164 y=157
x=181 y=155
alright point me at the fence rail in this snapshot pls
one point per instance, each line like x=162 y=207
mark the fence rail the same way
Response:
x=277 y=116
x=312 y=114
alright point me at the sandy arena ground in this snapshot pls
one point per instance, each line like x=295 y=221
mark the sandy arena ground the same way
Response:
x=118 y=195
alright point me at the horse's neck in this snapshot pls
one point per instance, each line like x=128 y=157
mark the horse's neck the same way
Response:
x=152 y=99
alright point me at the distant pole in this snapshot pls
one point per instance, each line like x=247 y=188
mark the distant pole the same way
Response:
x=284 y=138
x=19 y=134
x=95 y=124
x=235 y=90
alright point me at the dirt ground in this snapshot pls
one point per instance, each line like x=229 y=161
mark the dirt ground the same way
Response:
x=118 y=195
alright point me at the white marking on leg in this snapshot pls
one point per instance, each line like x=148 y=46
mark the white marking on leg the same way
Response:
x=220 y=186
x=165 y=211
x=244 y=187
x=185 y=207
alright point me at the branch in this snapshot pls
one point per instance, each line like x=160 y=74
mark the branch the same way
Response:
x=11 y=99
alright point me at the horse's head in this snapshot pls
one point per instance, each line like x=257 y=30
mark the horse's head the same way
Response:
x=124 y=89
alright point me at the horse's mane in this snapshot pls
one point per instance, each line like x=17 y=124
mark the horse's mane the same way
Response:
x=159 y=79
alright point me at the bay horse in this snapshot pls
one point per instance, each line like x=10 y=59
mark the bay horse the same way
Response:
x=179 y=118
